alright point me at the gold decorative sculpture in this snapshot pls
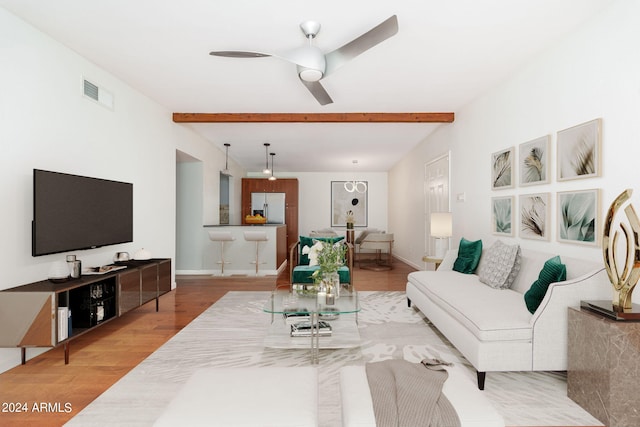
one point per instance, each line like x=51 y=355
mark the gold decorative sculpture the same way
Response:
x=623 y=282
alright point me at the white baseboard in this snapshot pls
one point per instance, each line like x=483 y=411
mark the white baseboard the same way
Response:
x=227 y=272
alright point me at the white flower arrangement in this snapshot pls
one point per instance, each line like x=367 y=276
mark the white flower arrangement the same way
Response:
x=329 y=257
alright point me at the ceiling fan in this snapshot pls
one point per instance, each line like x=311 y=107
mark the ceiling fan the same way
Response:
x=312 y=64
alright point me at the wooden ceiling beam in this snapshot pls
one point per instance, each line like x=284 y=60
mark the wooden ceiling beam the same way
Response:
x=313 y=117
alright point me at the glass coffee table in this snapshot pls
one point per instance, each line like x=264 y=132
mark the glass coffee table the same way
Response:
x=299 y=321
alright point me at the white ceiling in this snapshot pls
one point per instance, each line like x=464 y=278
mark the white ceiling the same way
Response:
x=446 y=53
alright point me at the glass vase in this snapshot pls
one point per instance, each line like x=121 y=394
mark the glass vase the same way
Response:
x=331 y=282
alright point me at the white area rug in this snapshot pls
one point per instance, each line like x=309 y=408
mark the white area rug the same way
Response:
x=231 y=333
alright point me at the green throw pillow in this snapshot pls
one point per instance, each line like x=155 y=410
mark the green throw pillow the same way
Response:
x=468 y=256
x=303 y=259
x=553 y=271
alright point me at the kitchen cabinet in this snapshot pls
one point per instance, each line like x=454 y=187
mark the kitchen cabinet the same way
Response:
x=289 y=186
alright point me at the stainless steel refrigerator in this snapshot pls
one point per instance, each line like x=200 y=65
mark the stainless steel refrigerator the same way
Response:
x=269 y=205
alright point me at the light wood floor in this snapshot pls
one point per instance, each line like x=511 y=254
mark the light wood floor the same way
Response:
x=101 y=357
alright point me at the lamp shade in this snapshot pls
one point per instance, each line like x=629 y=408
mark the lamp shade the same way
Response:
x=441 y=224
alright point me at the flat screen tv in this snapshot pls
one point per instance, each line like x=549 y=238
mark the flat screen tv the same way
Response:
x=72 y=212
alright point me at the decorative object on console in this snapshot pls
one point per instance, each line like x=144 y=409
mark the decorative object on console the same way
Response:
x=502 y=169
x=579 y=150
x=142 y=255
x=502 y=215
x=58 y=272
x=75 y=267
x=441 y=226
x=121 y=257
x=623 y=281
x=578 y=216
x=468 y=256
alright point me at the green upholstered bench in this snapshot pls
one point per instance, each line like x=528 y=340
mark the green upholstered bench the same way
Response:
x=302 y=274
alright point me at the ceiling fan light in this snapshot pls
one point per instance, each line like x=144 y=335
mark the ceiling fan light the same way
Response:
x=310 y=75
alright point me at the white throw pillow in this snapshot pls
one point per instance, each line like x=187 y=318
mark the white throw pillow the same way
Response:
x=501 y=265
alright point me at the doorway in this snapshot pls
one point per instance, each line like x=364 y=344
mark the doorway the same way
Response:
x=437 y=197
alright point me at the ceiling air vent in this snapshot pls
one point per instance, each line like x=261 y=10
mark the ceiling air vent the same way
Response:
x=98 y=94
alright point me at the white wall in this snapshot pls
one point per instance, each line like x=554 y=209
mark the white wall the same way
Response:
x=314 y=198
x=46 y=123
x=593 y=73
x=189 y=209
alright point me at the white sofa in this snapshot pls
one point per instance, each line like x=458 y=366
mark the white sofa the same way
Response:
x=493 y=328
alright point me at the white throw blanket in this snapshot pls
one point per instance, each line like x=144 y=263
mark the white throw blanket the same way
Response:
x=408 y=394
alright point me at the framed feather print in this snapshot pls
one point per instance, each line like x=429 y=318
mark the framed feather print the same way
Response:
x=579 y=217
x=579 y=151
x=534 y=161
x=534 y=216
x=502 y=164
x=502 y=215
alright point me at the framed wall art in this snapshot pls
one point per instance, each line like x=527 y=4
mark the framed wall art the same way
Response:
x=343 y=201
x=579 y=217
x=534 y=216
x=534 y=161
x=502 y=165
x=579 y=151
x=502 y=209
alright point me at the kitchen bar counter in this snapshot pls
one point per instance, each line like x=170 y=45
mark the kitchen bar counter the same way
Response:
x=239 y=253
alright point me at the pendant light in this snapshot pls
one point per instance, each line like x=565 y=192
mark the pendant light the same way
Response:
x=357 y=186
x=272 y=178
x=266 y=169
x=226 y=160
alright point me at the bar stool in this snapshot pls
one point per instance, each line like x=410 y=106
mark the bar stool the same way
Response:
x=221 y=236
x=256 y=236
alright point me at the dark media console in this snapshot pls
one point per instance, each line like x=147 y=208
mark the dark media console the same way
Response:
x=37 y=314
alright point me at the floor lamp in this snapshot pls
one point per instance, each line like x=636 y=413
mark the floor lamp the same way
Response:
x=441 y=229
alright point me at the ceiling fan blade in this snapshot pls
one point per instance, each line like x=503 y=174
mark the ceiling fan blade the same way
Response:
x=238 y=54
x=307 y=56
x=318 y=92
x=374 y=36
